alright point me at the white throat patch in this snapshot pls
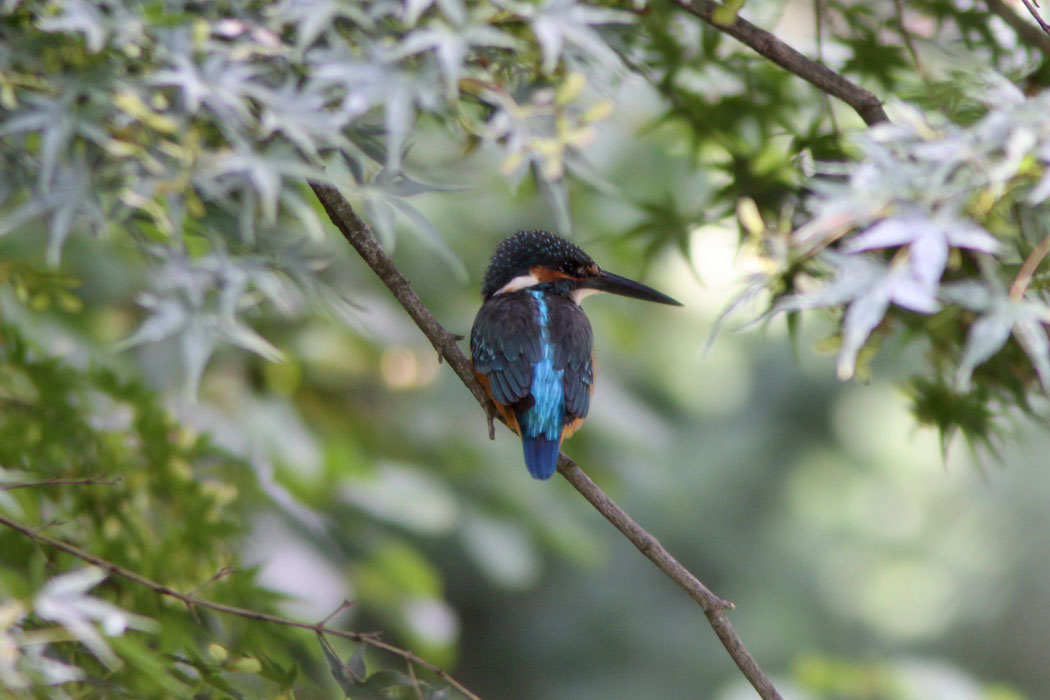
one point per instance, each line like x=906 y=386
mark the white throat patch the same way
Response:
x=578 y=295
x=518 y=283
x=530 y=280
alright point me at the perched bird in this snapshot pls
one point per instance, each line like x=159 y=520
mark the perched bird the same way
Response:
x=531 y=342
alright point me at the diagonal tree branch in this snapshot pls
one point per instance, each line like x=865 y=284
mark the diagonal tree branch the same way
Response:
x=1038 y=17
x=1025 y=30
x=56 y=481
x=193 y=601
x=866 y=104
x=359 y=234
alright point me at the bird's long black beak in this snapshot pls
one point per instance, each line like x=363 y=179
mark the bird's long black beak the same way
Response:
x=608 y=282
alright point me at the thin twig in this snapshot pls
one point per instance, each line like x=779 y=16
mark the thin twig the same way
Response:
x=415 y=681
x=224 y=571
x=89 y=480
x=867 y=105
x=359 y=234
x=1038 y=17
x=818 y=25
x=1024 y=29
x=194 y=601
x=342 y=606
x=909 y=43
x=221 y=573
x=1028 y=267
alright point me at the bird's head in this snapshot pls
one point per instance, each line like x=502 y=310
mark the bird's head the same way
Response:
x=530 y=258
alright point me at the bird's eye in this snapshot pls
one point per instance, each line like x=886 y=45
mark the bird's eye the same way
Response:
x=573 y=269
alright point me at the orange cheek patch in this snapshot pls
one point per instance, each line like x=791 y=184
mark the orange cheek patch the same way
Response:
x=544 y=274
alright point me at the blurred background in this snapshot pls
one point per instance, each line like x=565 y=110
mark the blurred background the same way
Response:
x=863 y=562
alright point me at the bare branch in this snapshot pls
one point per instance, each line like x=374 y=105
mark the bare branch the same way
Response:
x=1038 y=17
x=1026 y=31
x=867 y=105
x=89 y=480
x=359 y=235
x=193 y=601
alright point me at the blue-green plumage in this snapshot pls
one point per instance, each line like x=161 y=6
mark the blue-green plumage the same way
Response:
x=534 y=349
x=531 y=342
x=542 y=422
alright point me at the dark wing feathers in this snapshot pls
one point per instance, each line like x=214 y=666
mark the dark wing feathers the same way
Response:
x=504 y=343
x=570 y=331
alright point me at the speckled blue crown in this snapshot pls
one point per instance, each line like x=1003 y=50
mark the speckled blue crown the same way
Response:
x=519 y=253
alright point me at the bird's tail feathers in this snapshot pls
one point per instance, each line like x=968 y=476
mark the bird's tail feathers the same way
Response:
x=541 y=455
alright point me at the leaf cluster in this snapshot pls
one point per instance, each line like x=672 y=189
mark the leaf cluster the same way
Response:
x=142 y=481
x=188 y=132
x=937 y=235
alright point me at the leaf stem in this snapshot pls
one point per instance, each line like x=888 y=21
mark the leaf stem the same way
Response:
x=1028 y=267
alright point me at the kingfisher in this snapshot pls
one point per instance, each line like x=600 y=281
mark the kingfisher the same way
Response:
x=531 y=342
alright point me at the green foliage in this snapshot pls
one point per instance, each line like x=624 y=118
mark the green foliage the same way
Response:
x=942 y=221
x=826 y=677
x=191 y=130
x=156 y=222
x=151 y=479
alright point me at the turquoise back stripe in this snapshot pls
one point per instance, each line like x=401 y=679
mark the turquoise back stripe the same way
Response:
x=547 y=415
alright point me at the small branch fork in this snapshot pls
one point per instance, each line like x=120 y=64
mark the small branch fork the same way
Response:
x=359 y=234
x=193 y=602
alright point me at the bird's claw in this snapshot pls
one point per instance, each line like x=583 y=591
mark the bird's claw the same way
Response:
x=456 y=337
x=492 y=426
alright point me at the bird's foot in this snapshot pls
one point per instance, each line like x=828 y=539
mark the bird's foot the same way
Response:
x=456 y=337
x=492 y=426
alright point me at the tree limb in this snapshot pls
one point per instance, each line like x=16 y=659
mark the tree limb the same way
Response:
x=57 y=481
x=1023 y=29
x=359 y=234
x=193 y=601
x=1038 y=17
x=867 y=105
